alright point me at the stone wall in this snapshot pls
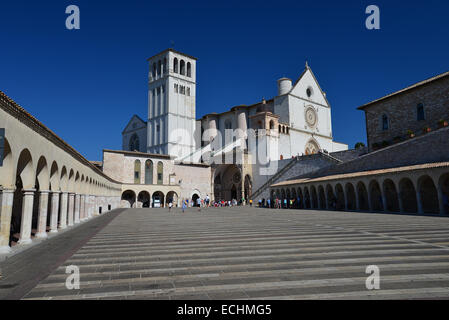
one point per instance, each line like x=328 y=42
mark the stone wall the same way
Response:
x=401 y=111
x=428 y=148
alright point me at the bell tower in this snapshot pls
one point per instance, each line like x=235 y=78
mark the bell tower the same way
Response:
x=172 y=103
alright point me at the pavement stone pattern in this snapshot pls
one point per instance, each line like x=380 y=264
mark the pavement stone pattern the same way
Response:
x=252 y=253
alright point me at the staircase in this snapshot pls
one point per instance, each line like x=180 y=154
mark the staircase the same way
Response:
x=287 y=167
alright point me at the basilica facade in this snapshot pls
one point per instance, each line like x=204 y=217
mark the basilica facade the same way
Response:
x=242 y=147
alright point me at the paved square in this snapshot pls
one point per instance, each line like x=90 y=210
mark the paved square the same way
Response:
x=235 y=253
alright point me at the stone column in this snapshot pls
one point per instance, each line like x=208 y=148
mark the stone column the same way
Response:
x=27 y=217
x=83 y=207
x=88 y=207
x=419 y=201
x=5 y=219
x=384 y=200
x=345 y=194
x=63 y=209
x=77 y=208
x=71 y=208
x=440 y=201
x=43 y=212
x=54 y=212
x=326 y=200
x=357 y=201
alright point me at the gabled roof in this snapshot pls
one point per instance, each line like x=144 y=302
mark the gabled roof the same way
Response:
x=416 y=85
x=132 y=118
x=307 y=68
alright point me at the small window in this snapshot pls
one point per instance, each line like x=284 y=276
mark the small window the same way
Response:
x=175 y=65
x=182 y=68
x=158 y=128
x=189 y=69
x=309 y=92
x=188 y=92
x=176 y=88
x=385 y=125
x=420 y=112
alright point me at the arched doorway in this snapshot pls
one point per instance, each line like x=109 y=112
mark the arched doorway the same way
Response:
x=429 y=195
x=128 y=199
x=306 y=198
x=322 y=197
x=144 y=199
x=195 y=198
x=228 y=183
x=408 y=196
x=350 y=195
x=173 y=198
x=331 y=200
x=376 y=196
x=340 y=198
x=158 y=200
x=362 y=194
x=314 y=197
x=391 y=196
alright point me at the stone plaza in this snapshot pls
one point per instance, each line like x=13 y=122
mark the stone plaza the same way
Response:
x=237 y=253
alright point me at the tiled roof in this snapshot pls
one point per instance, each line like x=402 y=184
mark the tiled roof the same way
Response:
x=363 y=174
x=406 y=89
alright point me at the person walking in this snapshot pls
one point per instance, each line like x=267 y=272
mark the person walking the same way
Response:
x=170 y=205
x=198 y=202
x=268 y=203
x=184 y=206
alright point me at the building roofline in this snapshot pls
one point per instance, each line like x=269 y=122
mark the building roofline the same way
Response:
x=174 y=51
x=143 y=154
x=362 y=174
x=416 y=85
x=215 y=114
x=18 y=112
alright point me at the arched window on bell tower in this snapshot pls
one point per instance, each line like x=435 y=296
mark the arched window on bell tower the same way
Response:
x=175 y=65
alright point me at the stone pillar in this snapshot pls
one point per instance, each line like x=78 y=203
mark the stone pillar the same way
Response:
x=88 y=206
x=345 y=194
x=5 y=219
x=326 y=200
x=63 y=209
x=319 y=200
x=54 y=212
x=419 y=202
x=71 y=209
x=43 y=212
x=27 y=217
x=77 y=208
x=384 y=200
x=83 y=207
x=440 y=201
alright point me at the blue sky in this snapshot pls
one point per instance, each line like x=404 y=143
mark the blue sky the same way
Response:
x=86 y=84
